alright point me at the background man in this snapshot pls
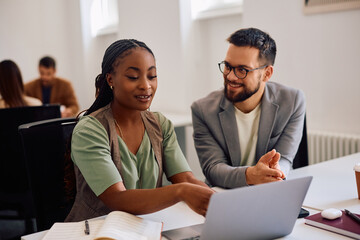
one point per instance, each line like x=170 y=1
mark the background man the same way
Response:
x=238 y=128
x=51 y=89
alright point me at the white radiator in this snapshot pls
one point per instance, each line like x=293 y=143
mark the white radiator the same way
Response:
x=323 y=146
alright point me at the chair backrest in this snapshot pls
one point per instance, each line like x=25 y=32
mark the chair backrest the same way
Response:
x=12 y=169
x=15 y=195
x=302 y=157
x=45 y=144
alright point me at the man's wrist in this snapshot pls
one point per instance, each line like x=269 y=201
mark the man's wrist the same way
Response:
x=248 y=174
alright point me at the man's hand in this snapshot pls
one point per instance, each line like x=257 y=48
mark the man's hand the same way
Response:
x=266 y=170
x=274 y=164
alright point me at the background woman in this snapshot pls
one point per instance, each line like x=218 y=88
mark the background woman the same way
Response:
x=120 y=149
x=12 y=88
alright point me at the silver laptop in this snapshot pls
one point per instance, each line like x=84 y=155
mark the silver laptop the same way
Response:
x=264 y=211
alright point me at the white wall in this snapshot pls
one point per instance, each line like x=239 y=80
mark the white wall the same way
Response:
x=318 y=54
x=209 y=47
x=31 y=29
x=187 y=52
x=157 y=23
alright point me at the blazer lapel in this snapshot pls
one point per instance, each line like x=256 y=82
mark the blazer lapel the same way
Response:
x=269 y=111
x=230 y=130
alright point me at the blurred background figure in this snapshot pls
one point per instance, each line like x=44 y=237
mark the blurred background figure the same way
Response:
x=53 y=90
x=12 y=87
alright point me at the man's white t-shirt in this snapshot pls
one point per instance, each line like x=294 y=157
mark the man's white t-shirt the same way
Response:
x=248 y=126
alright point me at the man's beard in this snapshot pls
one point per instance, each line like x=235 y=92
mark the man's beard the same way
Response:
x=241 y=96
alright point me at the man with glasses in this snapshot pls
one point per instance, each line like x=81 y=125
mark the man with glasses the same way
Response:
x=249 y=132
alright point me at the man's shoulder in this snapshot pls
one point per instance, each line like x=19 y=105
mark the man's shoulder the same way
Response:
x=31 y=88
x=278 y=90
x=33 y=83
x=62 y=84
x=209 y=105
x=285 y=97
x=62 y=81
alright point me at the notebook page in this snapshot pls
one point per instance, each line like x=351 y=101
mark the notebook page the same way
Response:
x=121 y=225
x=73 y=230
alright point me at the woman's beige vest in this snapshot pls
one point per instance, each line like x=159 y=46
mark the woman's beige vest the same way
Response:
x=87 y=204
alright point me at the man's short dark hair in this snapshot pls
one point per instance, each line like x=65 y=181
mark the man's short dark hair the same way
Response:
x=256 y=38
x=47 y=62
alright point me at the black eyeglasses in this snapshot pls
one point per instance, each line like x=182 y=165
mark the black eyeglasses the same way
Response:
x=239 y=72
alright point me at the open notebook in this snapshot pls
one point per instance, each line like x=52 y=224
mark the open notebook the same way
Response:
x=117 y=225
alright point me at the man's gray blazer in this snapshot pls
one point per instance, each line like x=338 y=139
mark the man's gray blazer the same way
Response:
x=216 y=133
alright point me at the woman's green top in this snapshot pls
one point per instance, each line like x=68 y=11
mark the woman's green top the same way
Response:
x=90 y=151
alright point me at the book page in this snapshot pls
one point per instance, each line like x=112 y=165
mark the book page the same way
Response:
x=73 y=230
x=121 y=225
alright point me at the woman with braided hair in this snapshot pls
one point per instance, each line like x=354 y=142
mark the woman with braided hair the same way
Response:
x=120 y=149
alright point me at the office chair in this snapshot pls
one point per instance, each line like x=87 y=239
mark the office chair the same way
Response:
x=15 y=198
x=302 y=157
x=45 y=145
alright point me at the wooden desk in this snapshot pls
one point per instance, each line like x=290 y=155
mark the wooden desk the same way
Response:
x=333 y=185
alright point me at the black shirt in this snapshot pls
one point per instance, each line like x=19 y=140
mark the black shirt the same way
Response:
x=46 y=92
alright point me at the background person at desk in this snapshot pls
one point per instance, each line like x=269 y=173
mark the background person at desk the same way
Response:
x=120 y=149
x=51 y=89
x=12 y=87
x=234 y=128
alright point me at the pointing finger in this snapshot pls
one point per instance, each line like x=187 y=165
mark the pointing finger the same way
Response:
x=268 y=156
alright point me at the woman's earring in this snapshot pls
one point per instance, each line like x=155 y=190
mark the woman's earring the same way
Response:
x=112 y=88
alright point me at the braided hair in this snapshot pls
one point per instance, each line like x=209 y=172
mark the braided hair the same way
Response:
x=114 y=52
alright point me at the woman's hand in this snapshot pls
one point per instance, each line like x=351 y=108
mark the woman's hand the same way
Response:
x=195 y=193
x=185 y=187
x=195 y=196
